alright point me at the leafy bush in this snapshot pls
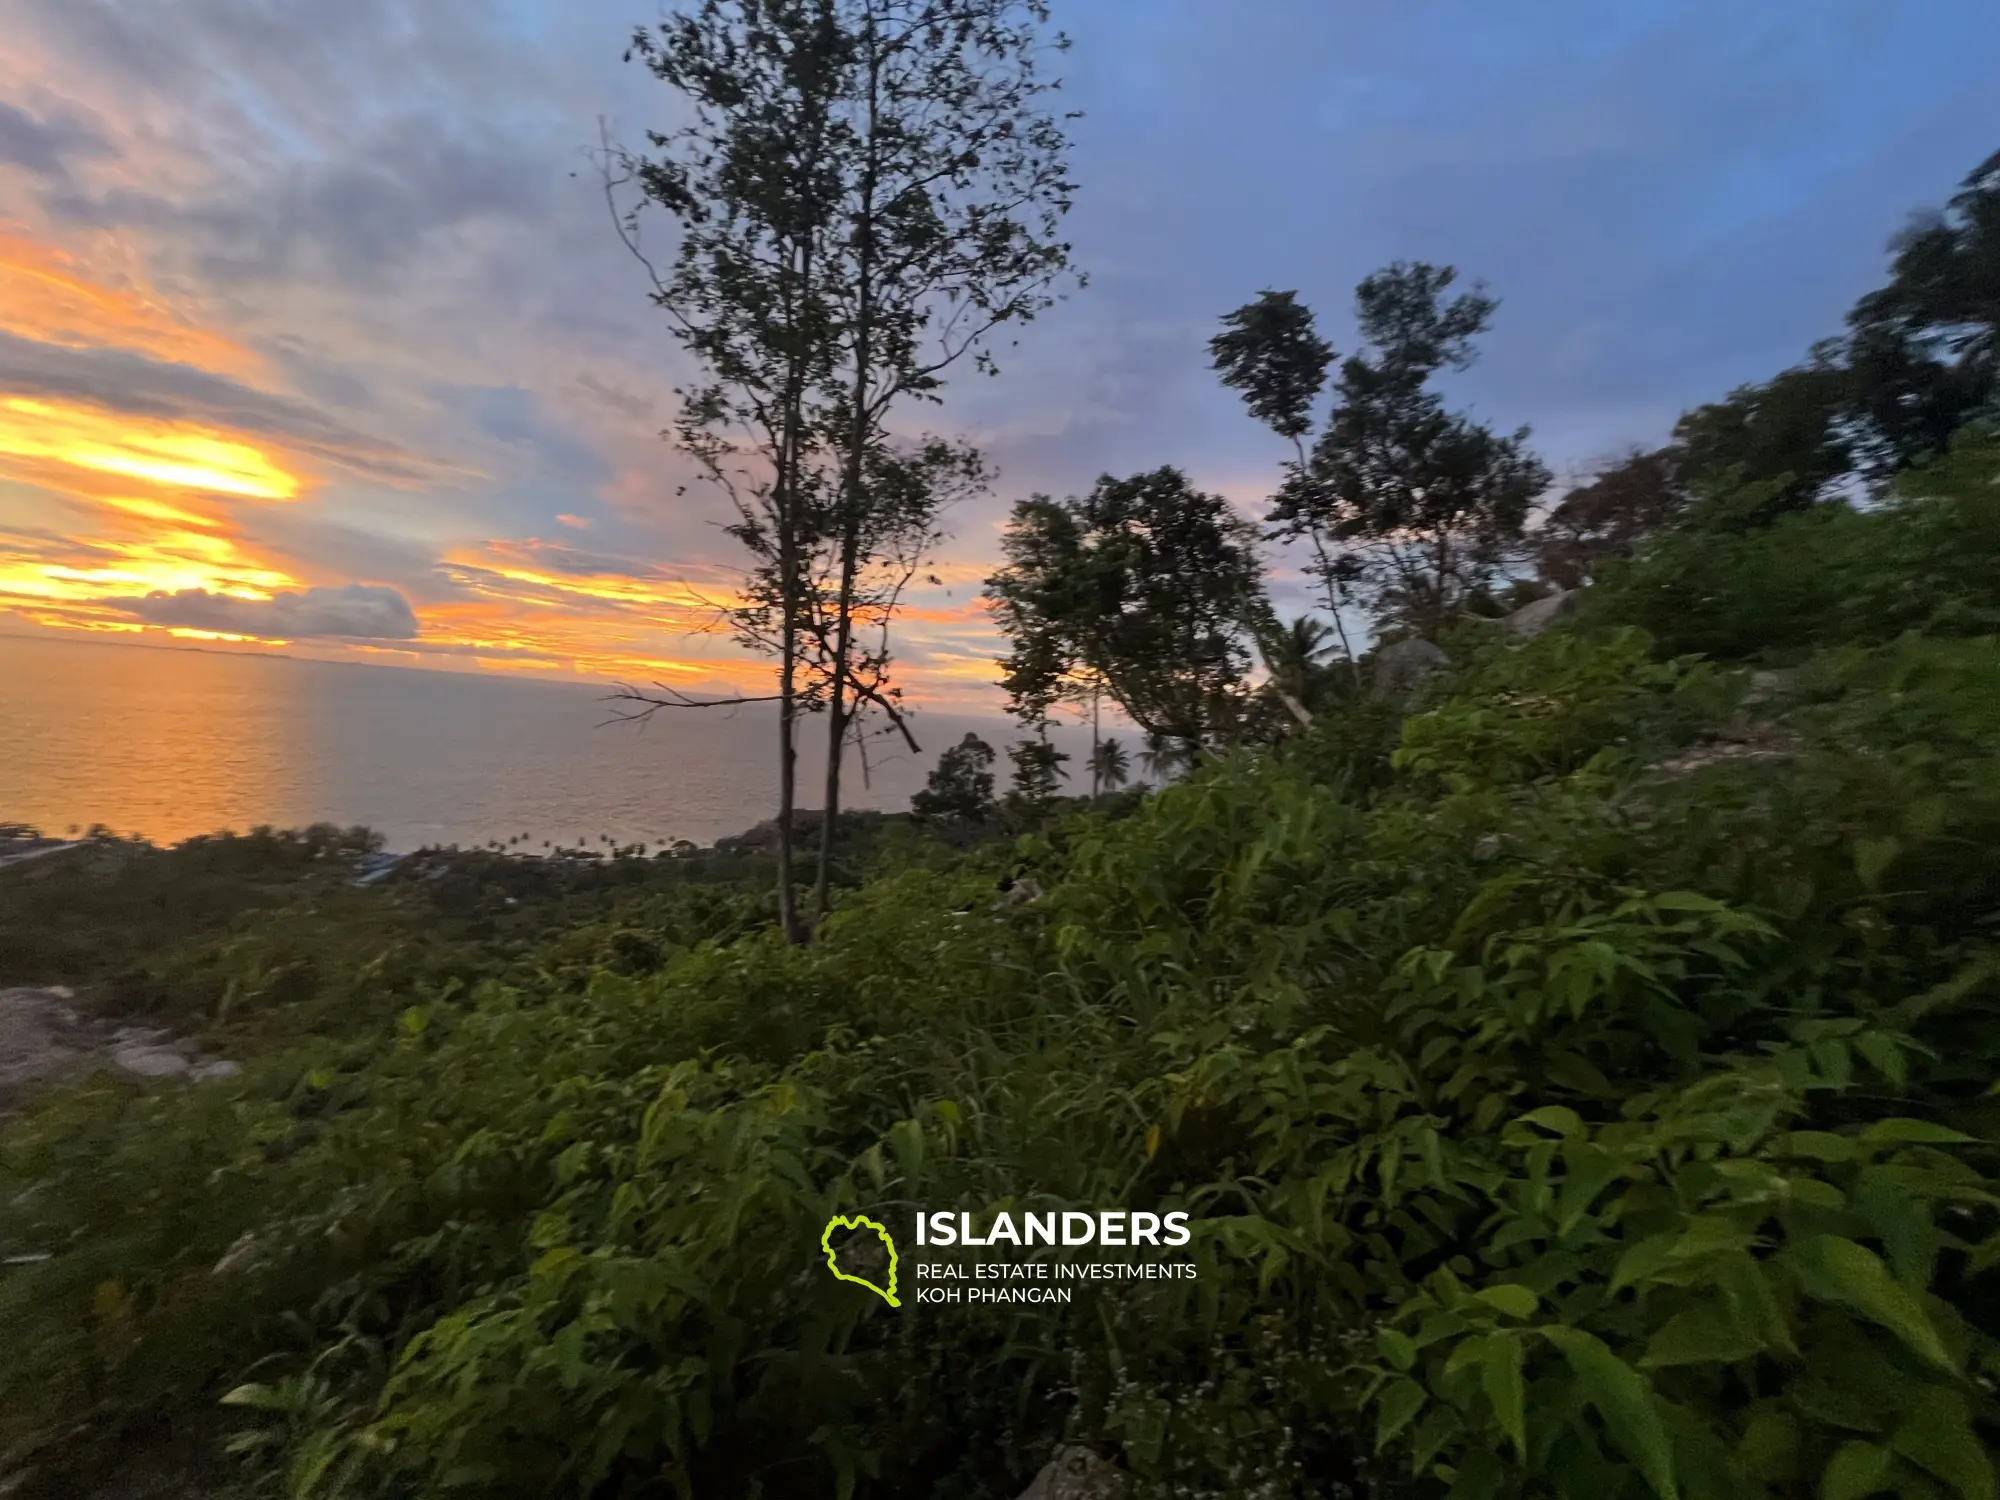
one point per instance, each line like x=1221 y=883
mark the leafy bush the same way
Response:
x=1828 y=574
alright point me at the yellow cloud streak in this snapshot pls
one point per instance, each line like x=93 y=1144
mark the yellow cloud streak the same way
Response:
x=160 y=453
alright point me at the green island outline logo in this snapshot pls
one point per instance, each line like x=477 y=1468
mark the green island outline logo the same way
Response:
x=860 y=1221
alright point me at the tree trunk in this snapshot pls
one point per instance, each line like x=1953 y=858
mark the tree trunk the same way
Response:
x=1335 y=594
x=1096 y=775
x=791 y=597
x=851 y=500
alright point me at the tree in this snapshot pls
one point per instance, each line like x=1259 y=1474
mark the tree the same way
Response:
x=953 y=183
x=1164 y=758
x=1110 y=767
x=1920 y=358
x=749 y=294
x=1146 y=585
x=960 y=784
x=1787 y=433
x=1271 y=352
x=1038 y=776
x=867 y=190
x=1415 y=508
x=1607 y=516
x=1924 y=351
x=1297 y=658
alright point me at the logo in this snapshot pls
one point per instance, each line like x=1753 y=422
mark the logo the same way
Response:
x=859 y=1222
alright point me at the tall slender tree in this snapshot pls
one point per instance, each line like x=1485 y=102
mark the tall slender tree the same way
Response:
x=751 y=292
x=868 y=190
x=1431 y=504
x=954 y=185
x=1271 y=352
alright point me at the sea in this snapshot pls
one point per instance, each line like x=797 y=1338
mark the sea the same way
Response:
x=166 y=743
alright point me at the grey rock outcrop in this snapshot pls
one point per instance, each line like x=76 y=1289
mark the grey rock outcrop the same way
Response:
x=43 y=1036
x=1076 y=1473
x=1530 y=620
x=1403 y=666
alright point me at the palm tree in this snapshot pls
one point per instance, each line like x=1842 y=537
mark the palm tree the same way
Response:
x=1296 y=656
x=1164 y=756
x=1110 y=767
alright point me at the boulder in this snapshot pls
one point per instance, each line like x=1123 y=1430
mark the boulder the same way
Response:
x=152 y=1062
x=1530 y=620
x=1403 y=666
x=1767 y=685
x=1076 y=1473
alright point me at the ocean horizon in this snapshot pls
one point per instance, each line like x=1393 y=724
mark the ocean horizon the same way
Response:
x=165 y=744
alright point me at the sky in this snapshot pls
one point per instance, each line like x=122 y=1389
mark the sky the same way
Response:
x=315 y=335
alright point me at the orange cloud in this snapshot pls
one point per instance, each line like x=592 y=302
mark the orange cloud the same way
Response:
x=44 y=295
x=145 y=523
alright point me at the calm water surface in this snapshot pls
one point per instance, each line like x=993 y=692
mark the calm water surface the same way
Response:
x=171 y=743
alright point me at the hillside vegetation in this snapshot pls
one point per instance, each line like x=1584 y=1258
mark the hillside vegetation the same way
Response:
x=1582 y=1084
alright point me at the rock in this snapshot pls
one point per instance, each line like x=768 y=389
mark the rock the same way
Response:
x=151 y=1062
x=1734 y=742
x=1022 y=890
x=42 y=1039
x=1530 y=620
x=1076 y=1473
x=1403 y=666
x=38 y=1039
x=1766 y=685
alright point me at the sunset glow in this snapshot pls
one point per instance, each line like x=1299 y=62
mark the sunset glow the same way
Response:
x=142 y=524
x=45 y=296
x=159 y=453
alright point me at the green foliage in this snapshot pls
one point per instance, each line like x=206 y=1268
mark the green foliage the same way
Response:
x=1146 y=586
x=1418 y=507
x=1736 y=590
x=1562 y=1113
x=960 y=784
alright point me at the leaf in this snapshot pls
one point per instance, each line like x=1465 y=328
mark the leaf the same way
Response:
x=1624 y=1398
x=1703 y=1334
x=1500 y=1377
x=1838 y=1270
x=1396 y=1347
x=1586 y=1171
x=1872 y=858
x=1686 y=901
x=1855 y=1471
x=1937 y=1436
x=1515 y=1301
x=1914 y=1132
x=1397 y=1407
x=1479 y=1478
x=258 y=1397
x=1555 y=1119
x=1819 y=1145
x=1883 y=1052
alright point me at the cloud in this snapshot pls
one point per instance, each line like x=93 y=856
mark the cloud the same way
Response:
x=122 y=381
x=42 y=147
x=365 y=214
x=356 y=611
